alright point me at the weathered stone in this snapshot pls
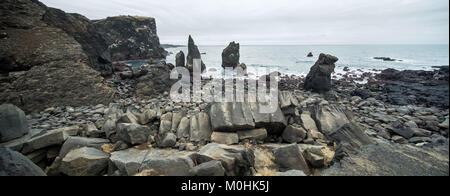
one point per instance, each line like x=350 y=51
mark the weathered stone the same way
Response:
x=289 y=157
x=255 y=134
x=319 y=77
x=176 y=119
x=385 y=159
x=129 y=161
x=166 y=123
x=147 y=117
x=168 y=162
x=274 y=123
x=193 y=53
x=169 y=140
x=308 y=122
x=84 y=161
x=13 y=123
x=45 y=139
x=184 y=128
x=318 y=156
x=78 y=142
x=211 y=168
x=329 y=118
x=237 y=160
x=231 y=117
x=200 y=128
x=128 y=117
x=350 y=139
x=230 y=55
x=294 y=134
x=180 y=59
x=133 y=133
x=13 y=163
x=225 y=138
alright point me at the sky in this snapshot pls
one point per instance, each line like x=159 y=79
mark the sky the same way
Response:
x=281 y=22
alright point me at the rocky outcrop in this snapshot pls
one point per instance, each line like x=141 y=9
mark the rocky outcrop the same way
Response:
x=408 y=87
x=180 y=59
x=130 y=37
x=193 y=53
x=13 y=123
x=236 y=116
x=83 y=31
x=319 y=77
x=45 y=66
x=15 y=164
x=84 y=161
x=385 y=159
x=230 y=55
x=155 y=82
x=310 y=55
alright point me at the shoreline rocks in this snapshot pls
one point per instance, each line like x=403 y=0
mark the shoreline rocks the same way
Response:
x=319 y=77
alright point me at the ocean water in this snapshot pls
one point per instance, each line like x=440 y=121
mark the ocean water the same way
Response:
x=293 y=60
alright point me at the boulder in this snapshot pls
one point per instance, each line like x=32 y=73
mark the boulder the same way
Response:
x=318 y=156
x=169 y=140
x=45 y=139
x=254 y=134
x=200 y=128
x=155 y=82
x=237 y=160
x=350 y=139
x=13 y=163
x=211 y=168
x=230 y=55
x=294 y=134
x=168 y=162
x=330 y=117
x=166 y=123
x=225 y=138
x=147 y=117
x=84 y=161
x=289 y=157
x=134 y=133
x=128 y=162
x=180 y=59
x=319 y=77
x=184 y=128
x=78 y=142
x=13 y=123
x=193 y=53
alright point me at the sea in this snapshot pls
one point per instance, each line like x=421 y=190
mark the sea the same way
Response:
x=293 y=60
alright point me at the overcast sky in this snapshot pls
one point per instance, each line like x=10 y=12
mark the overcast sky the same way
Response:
x=217 y=22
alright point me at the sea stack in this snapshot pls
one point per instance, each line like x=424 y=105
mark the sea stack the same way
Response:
x=180 y=59
x=193 y=53
x=319 y=77
x=230 y=55
x=310 y=54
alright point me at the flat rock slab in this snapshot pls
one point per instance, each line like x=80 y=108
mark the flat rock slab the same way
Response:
x=386 y=159
x=162 y=161
x=84 y=161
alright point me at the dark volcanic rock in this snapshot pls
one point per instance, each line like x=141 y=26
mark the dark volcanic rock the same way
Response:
x=393 y=160
x=84 y=32
x=13 y=123
x=180 y=59
x=15 y=164
x=51 y=68
x=430 y=88
x=155 y=82
x=310 y=54
x=350 y=138
x=230 y=55
x=130 y=37
x=193 y=53
x=319 y=77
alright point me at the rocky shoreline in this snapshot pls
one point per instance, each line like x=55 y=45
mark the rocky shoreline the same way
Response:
x=58 y=119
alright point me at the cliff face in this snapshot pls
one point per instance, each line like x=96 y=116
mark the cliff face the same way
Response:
x=130 y=37
x=41 y=65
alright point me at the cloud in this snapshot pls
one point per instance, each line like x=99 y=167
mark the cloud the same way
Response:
x=282 y=21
